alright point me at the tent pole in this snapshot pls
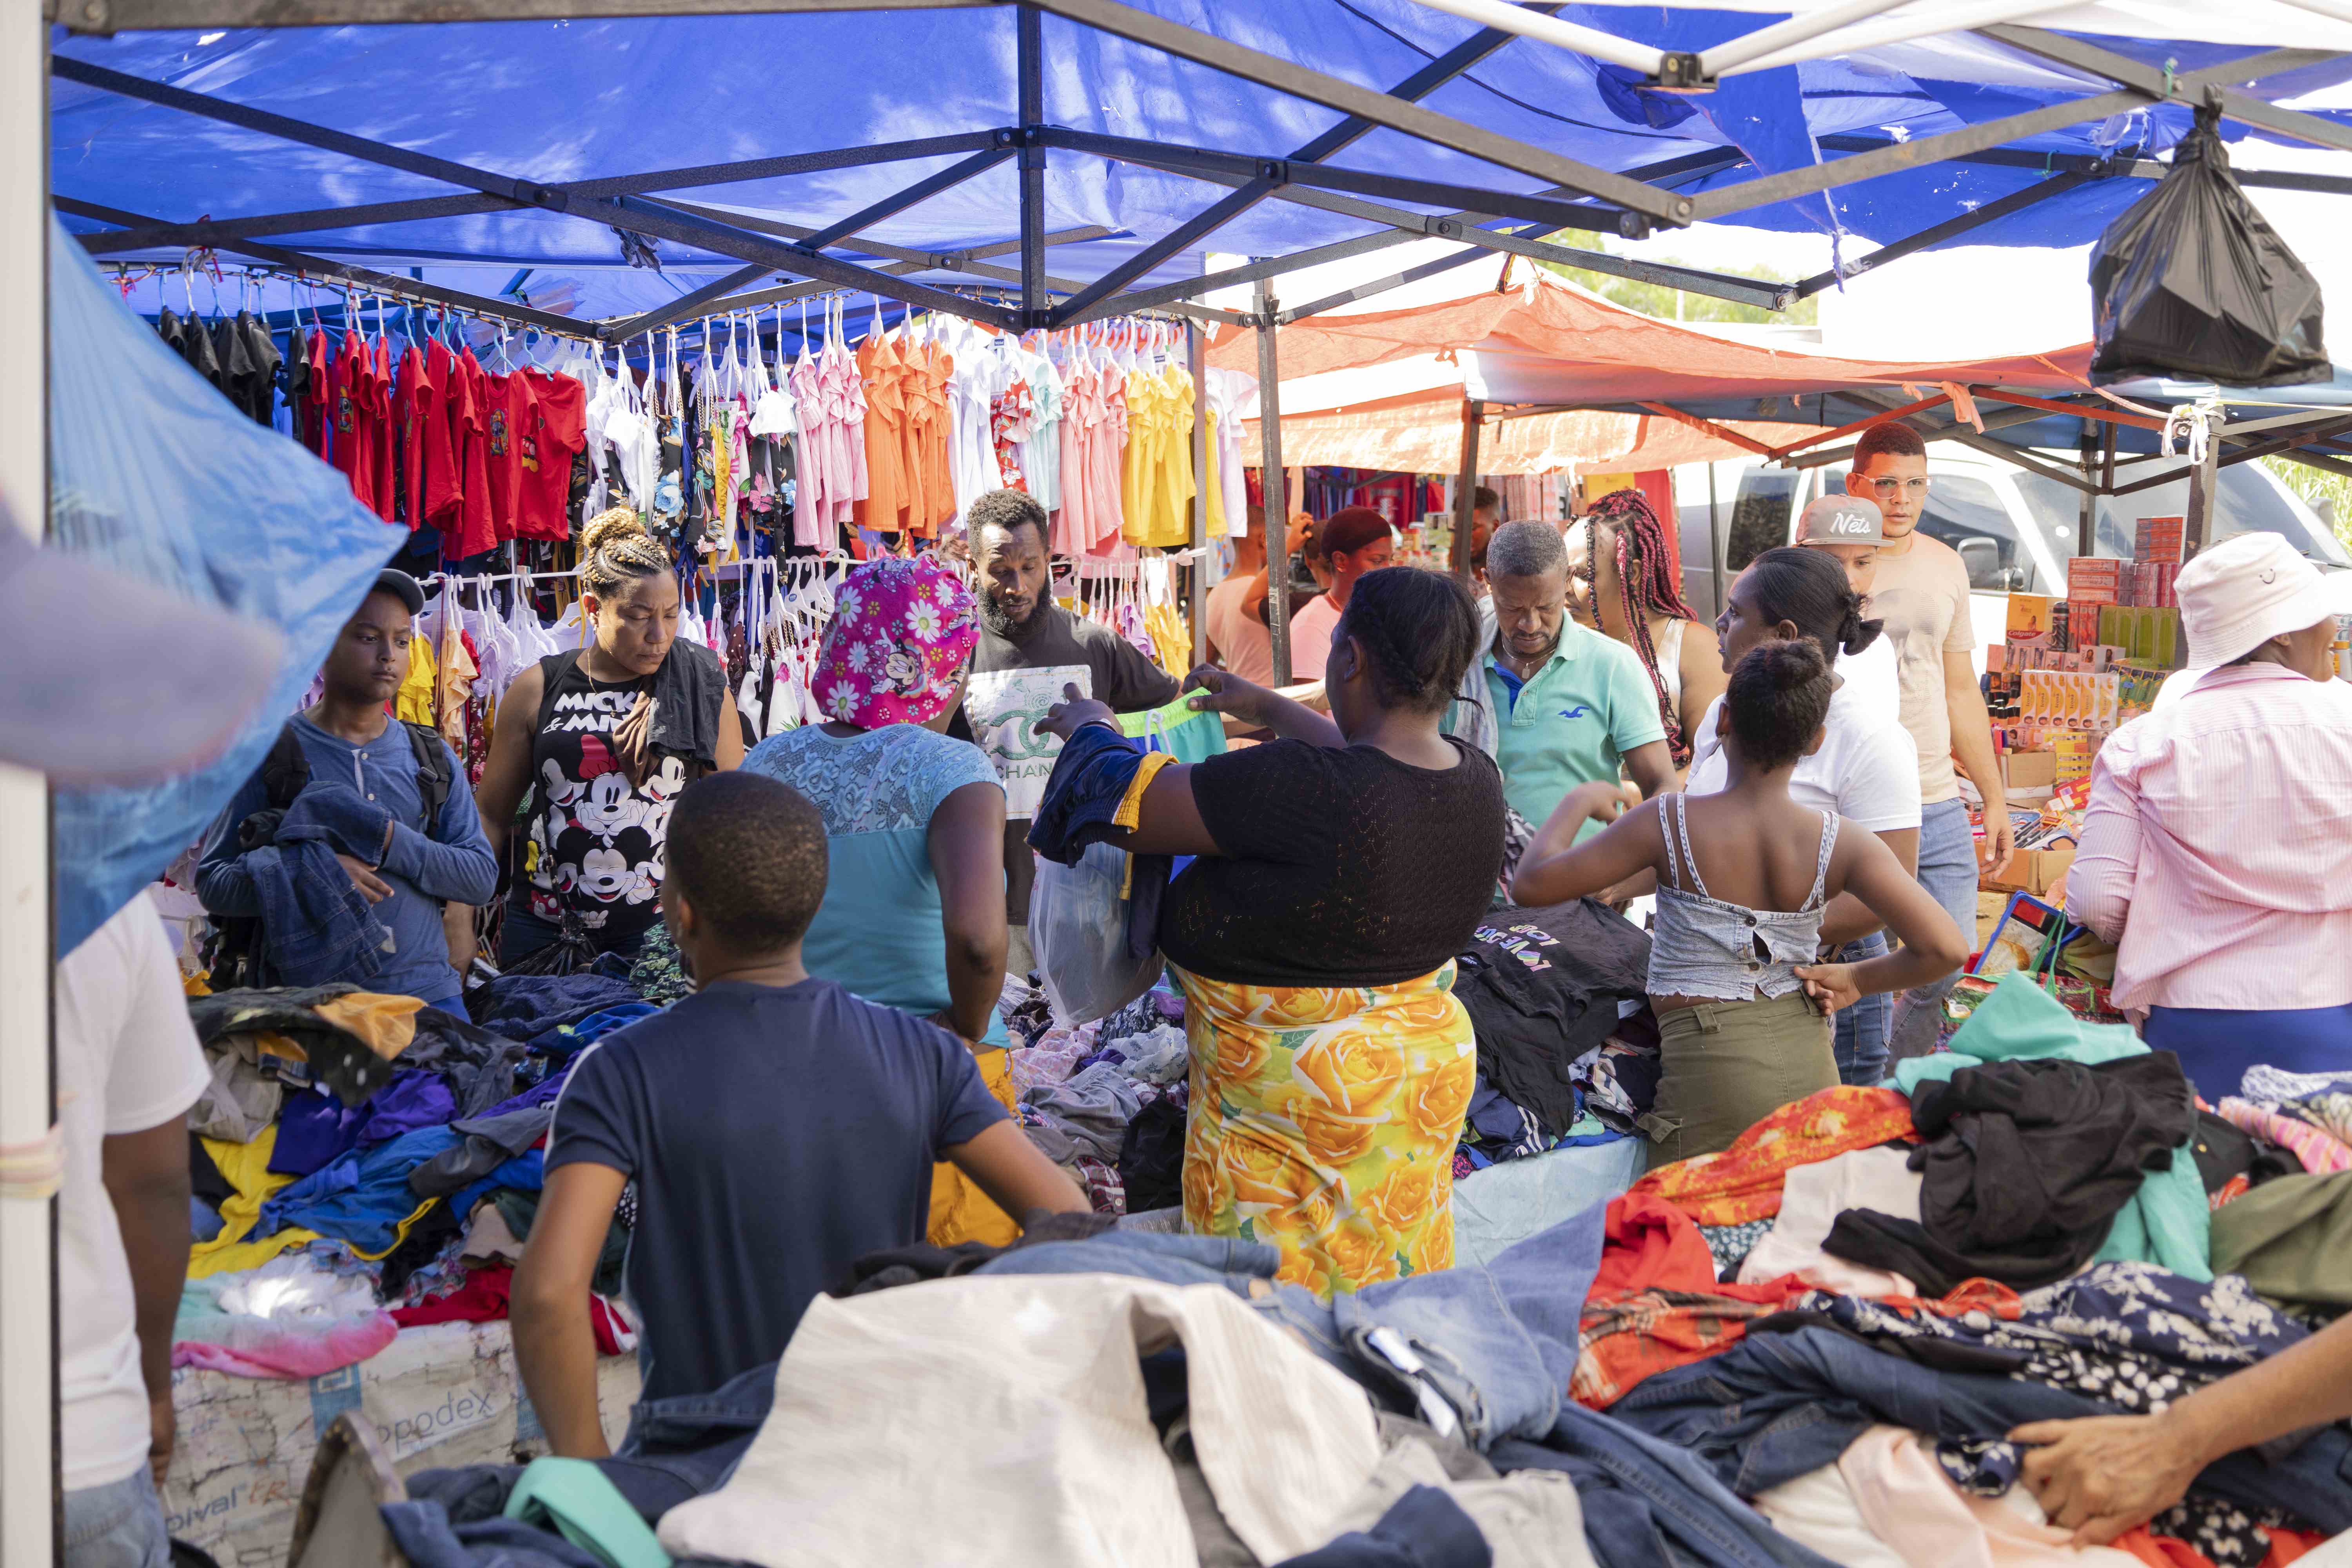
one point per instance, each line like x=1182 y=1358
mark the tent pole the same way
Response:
x=28 y=1347
x=1196 y=351
x=1465 y=487
x=1275 y=487
x=1714 y=538
x=1029 y=53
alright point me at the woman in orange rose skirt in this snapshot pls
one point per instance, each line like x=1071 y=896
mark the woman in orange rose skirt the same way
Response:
x=1339 y=869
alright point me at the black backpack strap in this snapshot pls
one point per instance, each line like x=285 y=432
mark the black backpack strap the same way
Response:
x=284 y=770
x=434 y=769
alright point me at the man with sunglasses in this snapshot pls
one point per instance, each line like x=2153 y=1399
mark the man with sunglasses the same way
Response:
x=1922 y=594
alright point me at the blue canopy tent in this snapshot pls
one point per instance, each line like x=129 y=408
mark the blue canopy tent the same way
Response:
x=603 y=167
x=1049 y=163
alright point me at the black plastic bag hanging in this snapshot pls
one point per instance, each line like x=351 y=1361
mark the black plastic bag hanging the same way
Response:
x=2192 y=284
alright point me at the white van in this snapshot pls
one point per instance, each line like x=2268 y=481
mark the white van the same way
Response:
x=2013 y=528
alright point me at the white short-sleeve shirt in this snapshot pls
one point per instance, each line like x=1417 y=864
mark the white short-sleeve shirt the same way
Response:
x=1867 y=770
x=127 y=1061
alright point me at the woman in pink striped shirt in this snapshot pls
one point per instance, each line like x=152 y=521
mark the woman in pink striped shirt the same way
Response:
x=2217 y=849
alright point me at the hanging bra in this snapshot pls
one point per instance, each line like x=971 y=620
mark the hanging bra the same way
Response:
x=1702 y=946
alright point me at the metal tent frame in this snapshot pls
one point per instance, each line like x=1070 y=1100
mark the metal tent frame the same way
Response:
x=1485 y=220
x=1576 y=195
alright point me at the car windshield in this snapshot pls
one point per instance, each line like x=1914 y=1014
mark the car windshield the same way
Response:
x=2249 y=501
x=1966 y=513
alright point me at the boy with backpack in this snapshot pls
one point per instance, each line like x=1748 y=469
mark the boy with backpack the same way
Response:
x=335 y=861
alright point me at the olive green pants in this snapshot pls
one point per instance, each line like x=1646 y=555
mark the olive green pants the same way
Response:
x=1726 y=1065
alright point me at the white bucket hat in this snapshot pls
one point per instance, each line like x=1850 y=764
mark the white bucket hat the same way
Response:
x=2243 y=592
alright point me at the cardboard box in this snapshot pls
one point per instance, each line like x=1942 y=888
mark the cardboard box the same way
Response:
x=2029 y=769
x=2091 y=572
x=2029 y=620
x=2033 y=870
x=2158 y=539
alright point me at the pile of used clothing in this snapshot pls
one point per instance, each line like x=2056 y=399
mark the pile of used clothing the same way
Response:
x=1809 y=1348
x=1567 y=1052
x=1106 y=1100
x=364 y=1163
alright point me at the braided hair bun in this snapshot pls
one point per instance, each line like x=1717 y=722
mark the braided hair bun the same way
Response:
x=614 y=548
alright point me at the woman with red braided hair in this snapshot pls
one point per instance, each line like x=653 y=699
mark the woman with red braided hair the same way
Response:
x=1625 y=586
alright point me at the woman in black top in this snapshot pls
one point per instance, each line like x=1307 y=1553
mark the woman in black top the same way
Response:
x=1341 y=867
x=603 y=739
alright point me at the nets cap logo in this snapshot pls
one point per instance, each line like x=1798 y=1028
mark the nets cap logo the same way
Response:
x=1841 y=520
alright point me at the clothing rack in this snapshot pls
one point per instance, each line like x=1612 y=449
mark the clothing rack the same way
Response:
x=531 y=322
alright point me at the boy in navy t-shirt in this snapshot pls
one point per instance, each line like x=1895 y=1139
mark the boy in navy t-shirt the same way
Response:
x=777 y=1127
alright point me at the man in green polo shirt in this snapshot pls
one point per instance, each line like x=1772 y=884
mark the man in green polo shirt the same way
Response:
x=1554 y=703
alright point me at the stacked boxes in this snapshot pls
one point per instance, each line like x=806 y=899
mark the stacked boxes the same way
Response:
x=2148 y=634
x=2159 y=539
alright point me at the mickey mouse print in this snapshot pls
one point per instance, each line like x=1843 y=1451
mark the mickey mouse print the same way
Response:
x=596 y=839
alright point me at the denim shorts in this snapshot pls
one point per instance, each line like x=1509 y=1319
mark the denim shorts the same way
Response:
x=119 y=1525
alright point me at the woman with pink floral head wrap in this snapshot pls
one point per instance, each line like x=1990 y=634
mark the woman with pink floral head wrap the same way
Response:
x=914 y=900
x=914 y=906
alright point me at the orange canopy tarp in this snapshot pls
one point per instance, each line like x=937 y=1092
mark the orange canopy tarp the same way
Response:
x=1423 y=435
x=1549 y=342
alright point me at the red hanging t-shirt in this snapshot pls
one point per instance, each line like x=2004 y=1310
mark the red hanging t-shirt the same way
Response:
x=441 y=492
x=414 y=399
x=556 y=436
x=322 y=395
x=513 y=408
x=387 y=418
x=469 y=426
x=354 y=437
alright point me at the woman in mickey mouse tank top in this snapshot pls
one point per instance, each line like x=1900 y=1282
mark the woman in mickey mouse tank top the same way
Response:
x=603 y=741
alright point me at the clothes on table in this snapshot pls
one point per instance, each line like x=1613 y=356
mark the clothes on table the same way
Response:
x=2166 y=1220
x=484 y=1143
x=1811 y=1198
x=1744 y=1181
x=2025 y=1166
x=1324 y=1122
x=237 y=1100
x=1284 y=1441
x=246 y=1167
x=288 y=1318
x=1775 y=1407
x=524 y=1006
x=363 y=1197
x=315 y=1128
x=2320 y=1152
x=2291 y=1239
x=1911 y=1505
x=1542 y=987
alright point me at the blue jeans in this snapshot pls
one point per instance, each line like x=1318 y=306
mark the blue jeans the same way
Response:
x=1862 y=1031
x=1496 y=1341
x=1778 y=1405
x=119 y=1525
x=1947 y=869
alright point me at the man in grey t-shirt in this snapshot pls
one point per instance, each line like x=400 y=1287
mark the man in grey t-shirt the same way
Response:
x=1030 y=648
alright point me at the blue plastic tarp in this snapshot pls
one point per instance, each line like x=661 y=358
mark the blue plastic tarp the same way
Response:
x=555 y=101
x=155 y=473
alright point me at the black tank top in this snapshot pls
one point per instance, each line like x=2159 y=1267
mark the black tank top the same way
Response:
x=595 y=843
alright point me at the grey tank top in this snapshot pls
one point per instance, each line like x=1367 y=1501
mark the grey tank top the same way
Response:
x=1701 y=946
